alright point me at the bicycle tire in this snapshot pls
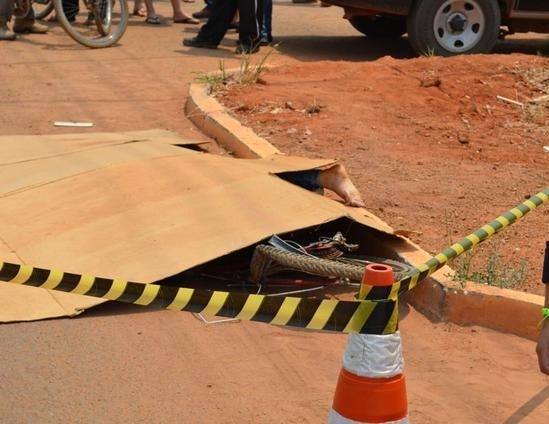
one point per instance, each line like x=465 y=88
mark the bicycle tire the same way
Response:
x=75 y=22
x=103 y=17
x=42 y=8
x=265 y=255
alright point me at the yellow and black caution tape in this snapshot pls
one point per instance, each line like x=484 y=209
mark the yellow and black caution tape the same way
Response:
x=436 y=262
x=372 y=316
x=376 y=314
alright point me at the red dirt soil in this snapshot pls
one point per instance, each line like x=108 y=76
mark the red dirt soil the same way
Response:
x=438 y=146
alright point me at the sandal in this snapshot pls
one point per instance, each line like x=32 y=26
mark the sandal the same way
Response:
x=192 y=21
x=153 y=20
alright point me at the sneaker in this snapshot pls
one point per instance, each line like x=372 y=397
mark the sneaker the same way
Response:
x=266 y=40
x=24 y=25
x=246 y=49
x=201 y=44
x=203 y=14
x=7 y=34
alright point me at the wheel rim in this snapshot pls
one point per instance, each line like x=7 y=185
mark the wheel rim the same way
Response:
x=459 y=25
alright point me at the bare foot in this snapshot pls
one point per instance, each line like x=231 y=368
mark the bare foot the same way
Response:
x=139 y=8
x=183 y=19
x=337 y=180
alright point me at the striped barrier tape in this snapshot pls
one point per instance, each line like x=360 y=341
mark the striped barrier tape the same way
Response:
x=372 y=316
x=375 y=314
x=436 y=262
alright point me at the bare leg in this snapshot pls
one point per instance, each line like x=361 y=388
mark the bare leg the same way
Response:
x=337 y=180
x=179 y=15
x=139 y=9
x=151 y=11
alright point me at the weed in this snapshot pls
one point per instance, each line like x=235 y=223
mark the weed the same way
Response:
x=214 y=80
x=247 y=73
x=430 y=52
x=491 y=270
x=483 y=265
x=534 y=113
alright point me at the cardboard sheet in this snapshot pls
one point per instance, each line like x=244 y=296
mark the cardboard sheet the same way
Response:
x=138 y=207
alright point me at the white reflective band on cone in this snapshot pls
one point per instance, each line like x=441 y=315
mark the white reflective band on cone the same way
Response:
x=373 y=355
x=336 y=418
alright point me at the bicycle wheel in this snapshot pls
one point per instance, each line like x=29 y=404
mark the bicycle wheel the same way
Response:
x=102 y=14
x=42 y=8
x=93 y=23
x=353 y=269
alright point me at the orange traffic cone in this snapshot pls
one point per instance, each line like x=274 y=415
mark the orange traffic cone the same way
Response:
x=371 y=386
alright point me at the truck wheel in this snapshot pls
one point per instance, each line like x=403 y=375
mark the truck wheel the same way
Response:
x=379 y=26
x=451 y=27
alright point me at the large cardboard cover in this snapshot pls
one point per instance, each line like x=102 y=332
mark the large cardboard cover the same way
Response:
x=140 y=207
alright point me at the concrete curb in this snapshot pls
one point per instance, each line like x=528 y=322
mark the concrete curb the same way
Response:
x=208 y=115
x=437 y=297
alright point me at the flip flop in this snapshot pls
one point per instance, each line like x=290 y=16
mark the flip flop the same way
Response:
x=154 y=20
x=191 y=21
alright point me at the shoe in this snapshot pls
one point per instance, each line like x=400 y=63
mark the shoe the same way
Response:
x=246 y=49
x=7 y=34
x=266 y=40
x=203 y=14
x=22 y=25
x=153 y=20
x=201 y=44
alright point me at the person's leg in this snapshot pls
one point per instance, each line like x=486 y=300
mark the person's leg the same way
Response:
x=337 y=180
x=266 y=29
x=70 y=9
x=6 y=10
x=234 y=22
x=27 y=23
x=139 y=8
x=305 y=179
x=152 y=17
x=180 y=16
x=250 y=23
x=213 y=31
x=334 y=178
x=206 y=11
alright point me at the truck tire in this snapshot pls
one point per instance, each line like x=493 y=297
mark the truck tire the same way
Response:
x=452 y=27
x=379 y=26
